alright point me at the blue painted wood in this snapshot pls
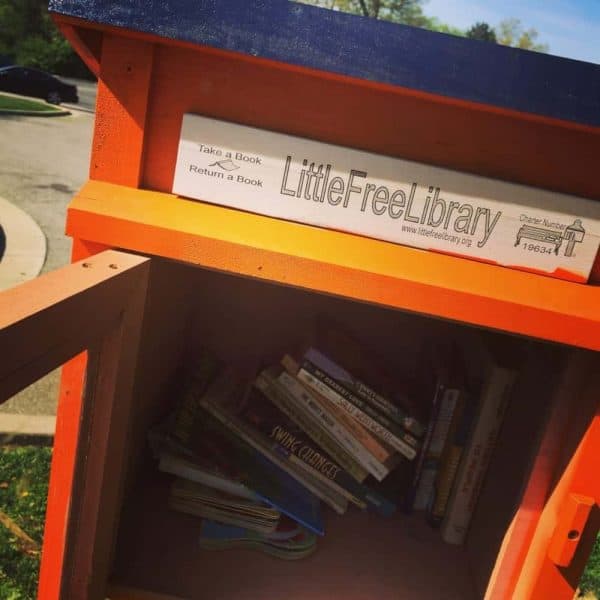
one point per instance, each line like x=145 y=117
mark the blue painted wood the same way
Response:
x=366 y=49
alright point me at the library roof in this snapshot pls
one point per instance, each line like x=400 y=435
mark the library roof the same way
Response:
x=362 y=48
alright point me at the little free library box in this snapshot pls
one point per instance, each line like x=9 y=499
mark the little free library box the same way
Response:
x=258 y=169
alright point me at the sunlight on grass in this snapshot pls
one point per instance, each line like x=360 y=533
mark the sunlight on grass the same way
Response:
x=14 y=103
x=23 y=490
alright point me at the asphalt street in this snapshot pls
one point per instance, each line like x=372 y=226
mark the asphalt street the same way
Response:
x=43 y=162
x=87 y=94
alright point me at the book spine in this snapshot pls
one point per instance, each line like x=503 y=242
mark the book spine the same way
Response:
x=394 y=412
x=344 y=483
x=284 y=400
x=448 y=459
x=361 y=405
x=340 y=433
x=443 y=486
x=251 y=438
x=190 y=472
x=494 y=400
x=443 y=421
x=361 y=433
x=306 y=456
x=410 y=500
x=335 y=487
x=426 y=487
x=452 y=457
x=378 y=449
x=320 y=382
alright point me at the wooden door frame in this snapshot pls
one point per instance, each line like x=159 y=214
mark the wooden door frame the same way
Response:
x=93 y=307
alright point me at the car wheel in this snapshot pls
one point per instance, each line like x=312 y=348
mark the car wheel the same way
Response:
x=53 y=97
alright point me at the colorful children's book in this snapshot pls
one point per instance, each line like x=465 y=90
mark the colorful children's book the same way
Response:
x=196 y=499
x=499 y=375
x=196 y=445
x=355 y=386
x=294 y=440
x=226 y=401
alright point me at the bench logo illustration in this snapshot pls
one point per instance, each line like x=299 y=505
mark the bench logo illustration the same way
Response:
x=573 y=234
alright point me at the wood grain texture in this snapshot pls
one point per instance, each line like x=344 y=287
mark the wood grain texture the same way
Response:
x=563 y=385
x=123 y=87
x=387 y=120
x=363 y=48
x=338 y=263
x=540 y=577
x=96 y=303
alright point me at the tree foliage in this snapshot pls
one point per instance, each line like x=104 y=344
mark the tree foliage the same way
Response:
x=408 y=12
x=509 y=32
x=481 y=31
x=29 y=37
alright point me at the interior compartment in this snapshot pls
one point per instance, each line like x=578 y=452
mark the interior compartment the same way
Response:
x=362 y=555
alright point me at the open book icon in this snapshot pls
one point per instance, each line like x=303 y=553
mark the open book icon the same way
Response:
x=226 y=165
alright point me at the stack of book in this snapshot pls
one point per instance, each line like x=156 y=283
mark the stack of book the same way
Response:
x=467 y=413
x=248 y=453
x=255 y=457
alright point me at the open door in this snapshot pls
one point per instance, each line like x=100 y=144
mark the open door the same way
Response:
x=564 y=528
x=90 y=310
x=568 y=526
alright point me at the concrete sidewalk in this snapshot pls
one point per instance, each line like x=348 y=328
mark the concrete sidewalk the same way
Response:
x=25 y=246
x=22 y=258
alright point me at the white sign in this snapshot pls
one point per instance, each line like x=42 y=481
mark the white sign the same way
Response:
x=387 y=198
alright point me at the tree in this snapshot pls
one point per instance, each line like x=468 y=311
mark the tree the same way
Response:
x=510 y=32
x=28 y=37
x=408 y=12
x=481 y=31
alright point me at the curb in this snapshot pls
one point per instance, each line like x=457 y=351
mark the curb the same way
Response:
x=36 y=113
x=19 y=429
x=25 y=246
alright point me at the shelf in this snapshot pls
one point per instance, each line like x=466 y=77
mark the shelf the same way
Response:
x=336 y=263
x=361 y=556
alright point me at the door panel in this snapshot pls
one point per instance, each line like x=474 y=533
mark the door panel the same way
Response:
x=95 y=306
x=568 y=526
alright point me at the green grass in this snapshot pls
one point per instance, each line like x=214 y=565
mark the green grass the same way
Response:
x=590 y=581
x=14 y=103
x=23 y=490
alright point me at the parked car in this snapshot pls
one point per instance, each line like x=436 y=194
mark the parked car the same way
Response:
x=32 y=82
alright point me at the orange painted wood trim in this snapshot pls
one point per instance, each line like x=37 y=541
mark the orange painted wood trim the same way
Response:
x=68 y=419
x=337 y=263
x=540 y=576
x=62 y=468
x=448 y=132
x=519 y=535
x=83 y=249
x=63 y=312
x=121 y=104
x=72 y=34
x=445 y=100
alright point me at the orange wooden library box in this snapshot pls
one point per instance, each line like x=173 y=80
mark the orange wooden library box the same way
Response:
x=154 y=273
